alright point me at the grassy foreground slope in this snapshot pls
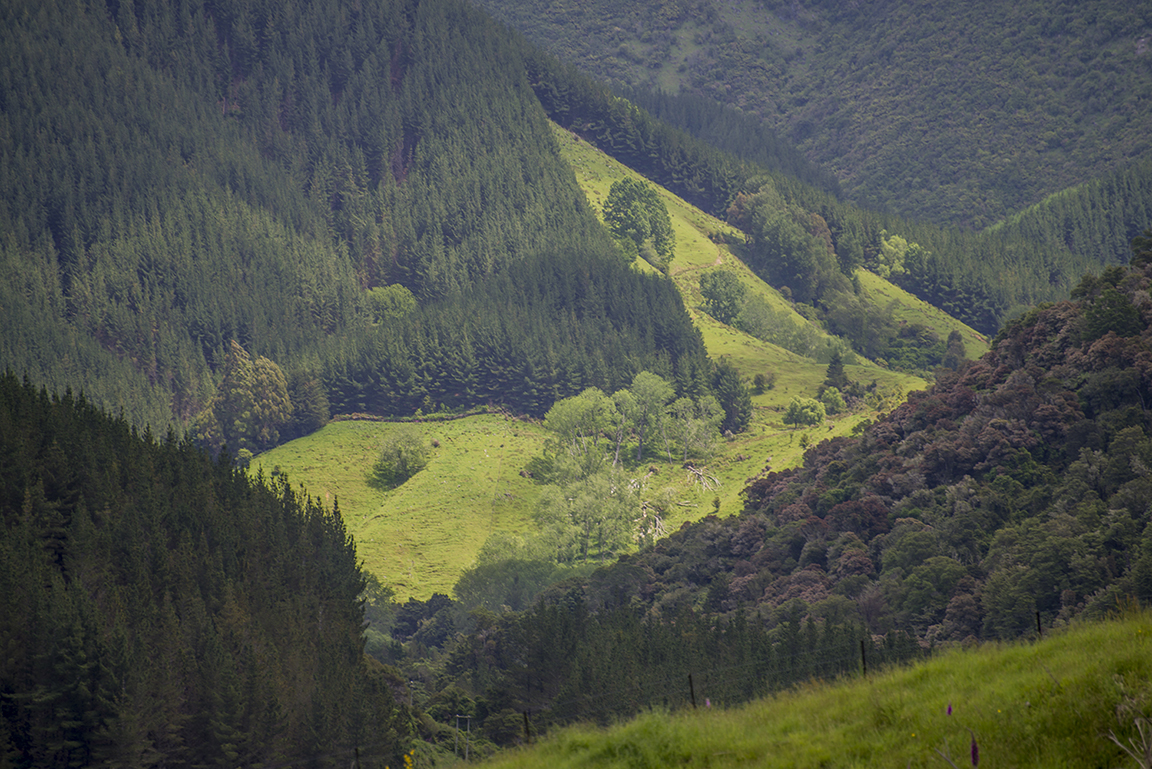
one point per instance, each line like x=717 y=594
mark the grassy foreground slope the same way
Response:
x=1049 y=703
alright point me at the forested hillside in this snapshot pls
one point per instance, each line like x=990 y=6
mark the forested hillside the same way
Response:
x=1011 y=495
x=953 y=115
x=160 y=609
x=341 y=190
x=228 y=220
x=180 y=176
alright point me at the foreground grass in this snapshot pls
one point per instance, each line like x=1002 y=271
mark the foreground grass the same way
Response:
x=1046 y=704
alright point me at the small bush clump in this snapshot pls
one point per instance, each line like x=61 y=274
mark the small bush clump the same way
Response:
x=403 y=453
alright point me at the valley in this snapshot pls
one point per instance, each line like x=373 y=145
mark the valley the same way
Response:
x=417 y=539
x=372 y=369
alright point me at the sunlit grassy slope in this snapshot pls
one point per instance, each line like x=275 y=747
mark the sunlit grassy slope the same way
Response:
x=419 y=537
x=1037 y=705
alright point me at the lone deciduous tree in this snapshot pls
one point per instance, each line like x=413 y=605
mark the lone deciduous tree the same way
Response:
x=804 y=411
x=250 y=407
x=639 y=220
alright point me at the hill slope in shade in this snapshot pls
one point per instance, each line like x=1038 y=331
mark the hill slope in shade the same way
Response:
x=957 y=115
x=158 y=608
x=173 y=181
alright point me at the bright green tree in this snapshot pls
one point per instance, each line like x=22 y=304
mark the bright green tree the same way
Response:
x=723 y=294
x=593 y=516
x=578 y=426
x=624 y=402
x=833 y=401
x=650 y=394
x=697 y=424
x=804 y=411
x=390 y=304
x=638 y=218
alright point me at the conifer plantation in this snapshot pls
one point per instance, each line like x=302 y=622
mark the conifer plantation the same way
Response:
x=158 y=608
x=182 y=176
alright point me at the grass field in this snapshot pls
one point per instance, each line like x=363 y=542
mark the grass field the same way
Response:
x=1051 y=703
x=418 y=538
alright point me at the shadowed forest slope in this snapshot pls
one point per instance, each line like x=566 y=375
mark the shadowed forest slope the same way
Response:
x=948 y=114
x=180 y=176
x=158 y=608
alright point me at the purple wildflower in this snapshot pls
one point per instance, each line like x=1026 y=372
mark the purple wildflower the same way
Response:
x=949 y=708
x=975 y=751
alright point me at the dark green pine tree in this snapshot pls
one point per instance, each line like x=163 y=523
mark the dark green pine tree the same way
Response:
x=954 y=352
x=734 y=397
x=836 y=376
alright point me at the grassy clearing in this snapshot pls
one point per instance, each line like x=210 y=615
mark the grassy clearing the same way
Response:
x=910 y=309
x=1046 y=704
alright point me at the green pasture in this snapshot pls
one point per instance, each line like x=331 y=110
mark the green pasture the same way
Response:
x=910 y=309
x=419 y=537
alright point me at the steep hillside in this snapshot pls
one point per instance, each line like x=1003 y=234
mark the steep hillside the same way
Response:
x=803 y=237
x=944 y=518
x=419 y=538
x=954 y=115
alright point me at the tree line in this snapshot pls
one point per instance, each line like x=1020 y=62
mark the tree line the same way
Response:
x=524 y=337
